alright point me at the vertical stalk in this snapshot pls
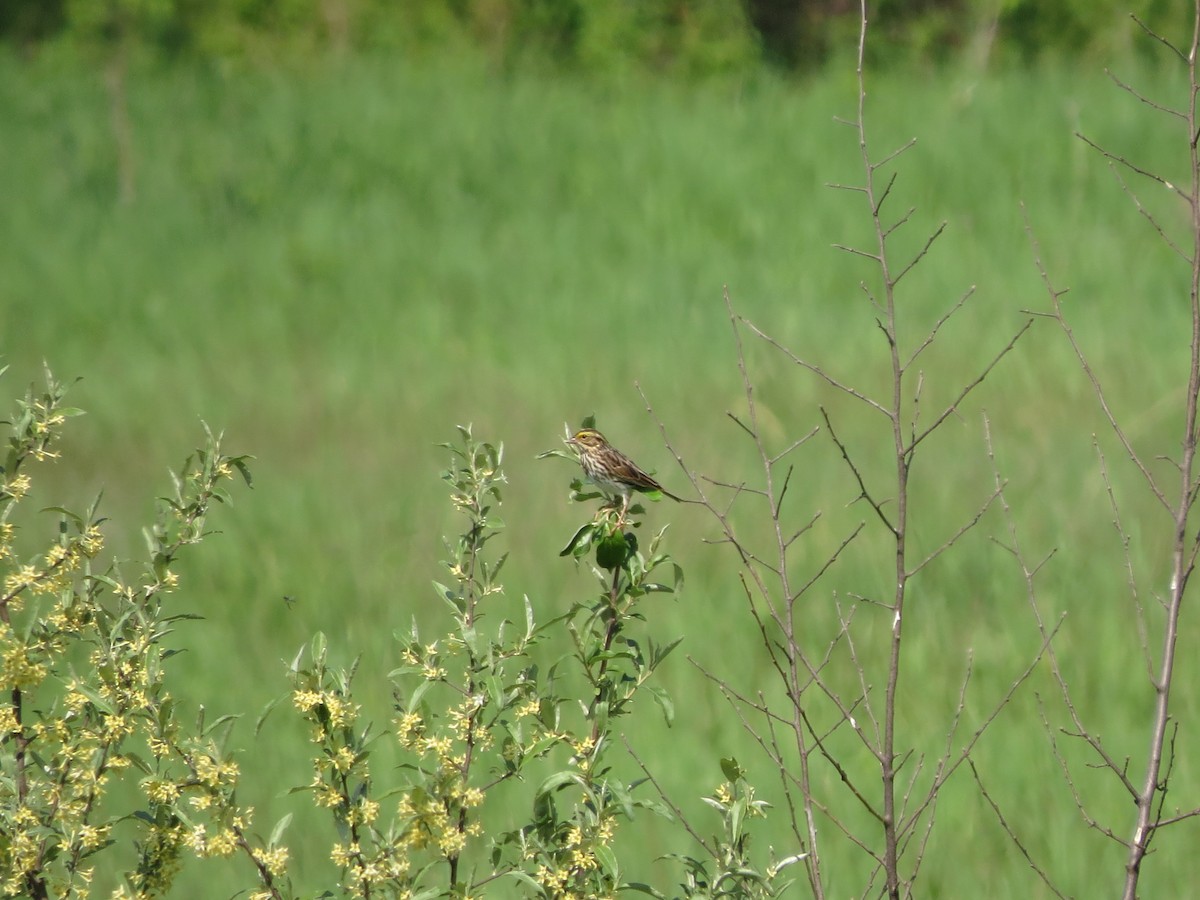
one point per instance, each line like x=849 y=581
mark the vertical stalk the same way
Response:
x=1182 y=561
x=886 y=753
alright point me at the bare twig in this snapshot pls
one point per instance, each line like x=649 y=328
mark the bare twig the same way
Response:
x=1041 y=873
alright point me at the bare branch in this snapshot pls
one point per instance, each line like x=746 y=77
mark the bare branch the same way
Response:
x=937 y=326
x=1123 y=537
x=816 y=370
x=864 y=493
x=970 y=386
x=1013 y=835
x=887 y=159
x=1145 y=173
x=1149 y=216
x=1060 y=317
x=1142 y=98
x=920 y=254
x=711 y=851
x=1158 y=37
x=953 y=539
x=856 y=252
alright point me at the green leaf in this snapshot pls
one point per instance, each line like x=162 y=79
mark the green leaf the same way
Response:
x=732 y=769
x=279 y=829
x=559 y=780
x=643 y=888
x=612 y=551
x=608 y=861
x=452 y=598
x=579 y=543
x=317 y=649
x=664 y=703
x=527 y=879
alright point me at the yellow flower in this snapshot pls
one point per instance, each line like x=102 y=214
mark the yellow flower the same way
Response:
x=343 y=759
x=472 y=797
x=530 y=707
x=342 y=854
x=116 y=727
x=584 y=747
x=91 y=836
x=17 y=488
x=19 y=670
x=21 y=578
x=162 y=791
x=368 y=811
x=305 y=700
x=274 y=860
x=452 y=841
x=223 y=844
x=92 y=540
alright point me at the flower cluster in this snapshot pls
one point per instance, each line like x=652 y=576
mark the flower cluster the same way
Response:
x=83 y=676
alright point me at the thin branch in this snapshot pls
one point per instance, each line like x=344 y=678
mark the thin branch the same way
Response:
x=937 y=326
x=1123 y=537
x=1142 y=98
x=1060 y=317
x=920 y=254
x=1149 y=216
x=1158 y=37
x=970 y=386
x=816 y=370
x=711 y=851
x=1013 y=835
x=1145 y=173
x=864 y=493
x=954 y=538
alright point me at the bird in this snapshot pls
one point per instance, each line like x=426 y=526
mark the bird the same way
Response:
x=610 y=469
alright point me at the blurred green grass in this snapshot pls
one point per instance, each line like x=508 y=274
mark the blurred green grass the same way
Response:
x=337 y=266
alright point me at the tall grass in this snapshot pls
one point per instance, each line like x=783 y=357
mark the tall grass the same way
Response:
x=337 y=266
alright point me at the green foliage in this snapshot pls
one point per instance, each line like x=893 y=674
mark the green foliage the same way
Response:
x=301 y=261
x=87 y=673
x=474 y=711
x=696 y=37
x=85 y=668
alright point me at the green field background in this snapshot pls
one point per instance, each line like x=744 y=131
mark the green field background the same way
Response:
x=338 y=265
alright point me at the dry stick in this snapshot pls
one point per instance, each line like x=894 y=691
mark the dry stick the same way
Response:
x=943 y=760
x=937 y=326
x=954 y=538
x=815 y=369
x=711 y=851
x=1142 y=98
x=785 y=622
x=970 y=386
x=886 y=754
x=1123 y=536
x=1147 y=215
x=965 y=751
x=1013 y=548
x=861 y=669
x=1089 y=373
x=1066 y=769
x=1013 y=835
x=1181 y=564
x=1158 y=37
x=774 y=753
x=864 y=494
x=1133 y=167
